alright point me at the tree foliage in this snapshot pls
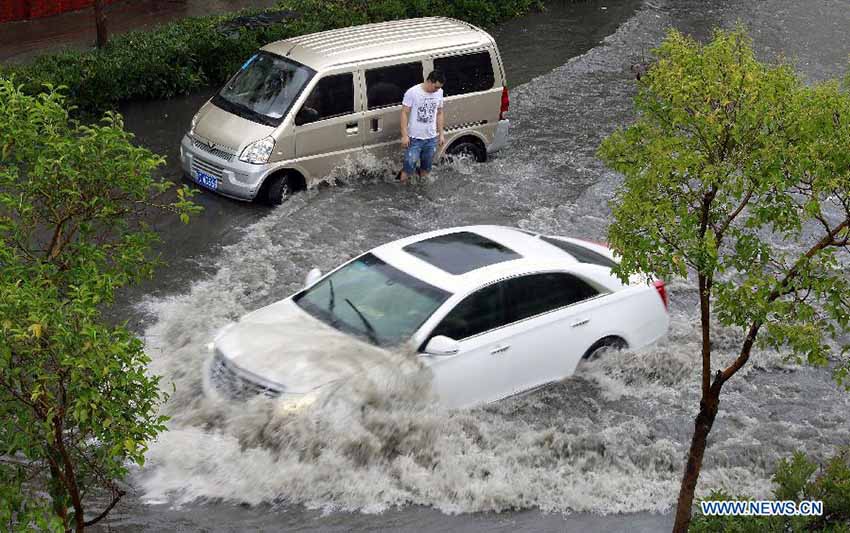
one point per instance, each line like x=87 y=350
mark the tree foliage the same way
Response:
x=738 y=174
x=76 y=403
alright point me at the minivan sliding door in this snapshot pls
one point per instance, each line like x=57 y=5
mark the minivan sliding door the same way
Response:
x=385 y=88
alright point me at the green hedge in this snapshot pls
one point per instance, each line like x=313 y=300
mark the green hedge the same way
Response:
x=191 y=53
x=796 y=479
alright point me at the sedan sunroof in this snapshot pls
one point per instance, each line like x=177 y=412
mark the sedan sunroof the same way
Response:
x=462 y=252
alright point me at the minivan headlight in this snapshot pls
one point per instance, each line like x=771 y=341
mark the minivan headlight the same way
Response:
x=192 y=126
x=258 y=151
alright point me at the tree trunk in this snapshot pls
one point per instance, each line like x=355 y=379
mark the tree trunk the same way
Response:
x=100 y=23
x=702 y=427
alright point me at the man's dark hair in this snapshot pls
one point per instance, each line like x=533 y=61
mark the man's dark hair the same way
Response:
x=437 y=76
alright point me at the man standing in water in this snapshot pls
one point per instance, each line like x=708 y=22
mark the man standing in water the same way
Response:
x=422 y=124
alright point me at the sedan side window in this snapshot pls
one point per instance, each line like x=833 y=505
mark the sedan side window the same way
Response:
x=481 y=311
x=331 y=97
x=528 y=296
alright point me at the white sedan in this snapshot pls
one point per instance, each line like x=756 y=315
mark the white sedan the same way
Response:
x=493 y=311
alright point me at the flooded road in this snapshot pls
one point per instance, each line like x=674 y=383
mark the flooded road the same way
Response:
x=609 y=441
x=530 y=46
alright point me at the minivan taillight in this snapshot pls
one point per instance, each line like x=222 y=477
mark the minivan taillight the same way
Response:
x=662 y=292
x=506 y=103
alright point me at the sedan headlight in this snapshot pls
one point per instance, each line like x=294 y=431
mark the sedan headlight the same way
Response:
x=258 y=152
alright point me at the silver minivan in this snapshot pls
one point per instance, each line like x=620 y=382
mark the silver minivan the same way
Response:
x=301 y=108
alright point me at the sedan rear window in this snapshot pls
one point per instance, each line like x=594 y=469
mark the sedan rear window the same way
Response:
x=581 y=254
x=462 y=252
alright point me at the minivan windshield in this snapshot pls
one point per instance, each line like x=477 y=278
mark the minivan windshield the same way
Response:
x=264 y=88
x=374 y=300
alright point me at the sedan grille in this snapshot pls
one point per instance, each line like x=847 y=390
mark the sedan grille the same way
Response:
x=231 y=384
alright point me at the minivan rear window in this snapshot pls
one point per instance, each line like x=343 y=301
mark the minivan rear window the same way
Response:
x=468 y=73
x=264 y=88
x=386 y=86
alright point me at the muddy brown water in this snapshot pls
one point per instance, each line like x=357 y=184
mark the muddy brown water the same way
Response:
x=601 y=451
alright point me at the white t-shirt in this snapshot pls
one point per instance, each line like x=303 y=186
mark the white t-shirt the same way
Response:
x=423 y=111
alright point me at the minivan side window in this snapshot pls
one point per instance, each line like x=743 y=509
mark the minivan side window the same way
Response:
x=331 y=97
x=467 y=73
x=481 y=311
x=532 y=295
x=386 y=86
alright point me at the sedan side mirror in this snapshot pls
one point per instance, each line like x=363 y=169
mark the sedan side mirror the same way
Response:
x=312 y=277
x=442 y=345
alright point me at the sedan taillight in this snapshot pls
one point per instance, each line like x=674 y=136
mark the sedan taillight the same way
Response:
x=662 y=292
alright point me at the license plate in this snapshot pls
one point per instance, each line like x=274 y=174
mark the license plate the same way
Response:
x=206 y=180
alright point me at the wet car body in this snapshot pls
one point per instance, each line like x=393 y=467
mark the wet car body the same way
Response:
x=491 y=311
x=299 y=109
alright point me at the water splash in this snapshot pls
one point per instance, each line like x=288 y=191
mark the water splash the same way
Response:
x=611 y=439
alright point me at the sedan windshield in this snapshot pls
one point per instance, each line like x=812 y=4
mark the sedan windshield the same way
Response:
x=264 y=88
x=374 y=300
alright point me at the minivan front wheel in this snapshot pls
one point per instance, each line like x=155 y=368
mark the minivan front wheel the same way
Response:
x=466 y=149
x=277 y=189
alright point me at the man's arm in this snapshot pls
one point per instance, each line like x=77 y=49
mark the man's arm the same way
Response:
x=440 y=123
x=405 y=117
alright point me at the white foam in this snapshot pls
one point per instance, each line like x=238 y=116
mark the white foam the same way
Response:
x=612 y=439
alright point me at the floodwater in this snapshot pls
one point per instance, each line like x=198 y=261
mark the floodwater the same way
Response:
x=602 y=451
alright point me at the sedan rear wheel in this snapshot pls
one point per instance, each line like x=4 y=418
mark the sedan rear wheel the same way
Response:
x=603 y=346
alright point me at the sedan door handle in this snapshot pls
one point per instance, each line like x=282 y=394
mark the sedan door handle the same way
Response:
x=581 y=322
x=351 y=128
x=500 y=349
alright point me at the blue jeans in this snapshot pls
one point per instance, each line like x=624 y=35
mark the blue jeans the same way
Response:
x=420 y=151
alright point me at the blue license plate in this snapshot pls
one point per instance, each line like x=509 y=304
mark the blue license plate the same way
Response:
x=206 y=180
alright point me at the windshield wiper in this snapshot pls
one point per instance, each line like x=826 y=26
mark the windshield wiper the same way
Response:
x=331 y=301
x=369 y=329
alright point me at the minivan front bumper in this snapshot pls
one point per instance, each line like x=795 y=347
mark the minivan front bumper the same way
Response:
x=500 y=139
x=234 y=178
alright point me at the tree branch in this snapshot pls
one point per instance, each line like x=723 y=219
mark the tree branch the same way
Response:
x=734 y=214
x=778 y=291
x=115 y=498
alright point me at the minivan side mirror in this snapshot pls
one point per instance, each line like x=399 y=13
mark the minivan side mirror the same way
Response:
x=312 y=277
x=442 y=345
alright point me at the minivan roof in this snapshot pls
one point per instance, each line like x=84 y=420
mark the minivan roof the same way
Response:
x=379 y=40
